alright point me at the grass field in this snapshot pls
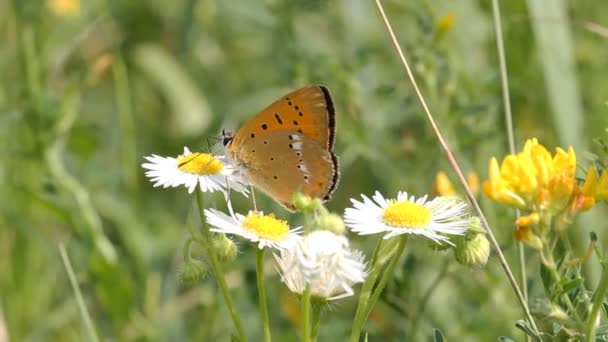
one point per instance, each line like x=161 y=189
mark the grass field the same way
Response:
x=90 y=250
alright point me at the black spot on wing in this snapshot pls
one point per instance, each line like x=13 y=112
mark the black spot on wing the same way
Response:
x=278 y=118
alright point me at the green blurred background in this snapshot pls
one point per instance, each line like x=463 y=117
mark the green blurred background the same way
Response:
x=88 y=88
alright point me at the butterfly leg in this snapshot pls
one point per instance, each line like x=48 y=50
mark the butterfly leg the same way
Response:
x=255 y=206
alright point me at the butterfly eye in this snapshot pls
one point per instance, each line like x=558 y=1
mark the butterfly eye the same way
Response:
x=226 y=137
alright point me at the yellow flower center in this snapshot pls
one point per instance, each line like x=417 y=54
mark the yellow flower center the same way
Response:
x=406 y=215
x=266 y=226
x=199 y=164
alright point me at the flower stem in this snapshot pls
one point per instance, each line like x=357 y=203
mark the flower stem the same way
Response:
x=217 y=269
x=84 y=312
x=376 y=251
x=365 y=303
x=316 y=319
x=598 y=301
x=366 y=290
x=262 y=294
x=458 y=171
x=306 y=315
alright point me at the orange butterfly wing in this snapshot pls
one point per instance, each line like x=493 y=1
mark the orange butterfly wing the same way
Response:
x=264 y=150
x=308 y=110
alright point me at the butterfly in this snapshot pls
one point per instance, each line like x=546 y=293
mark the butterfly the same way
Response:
x=288 y=147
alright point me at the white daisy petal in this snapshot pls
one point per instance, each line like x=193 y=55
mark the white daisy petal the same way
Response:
x=265 y=230
x=433 y=219
x=209 y=173
x=323 y=261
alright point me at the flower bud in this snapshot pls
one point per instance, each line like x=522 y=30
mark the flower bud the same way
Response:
x=305 y=203
x=527 y=236
x=473 y=249
x=443 y=186
x=333 y=223
x=193 y=270
x=225 y=249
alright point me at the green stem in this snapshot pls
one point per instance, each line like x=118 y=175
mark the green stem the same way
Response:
x=367 y=289
x=66 y=181
x=88 y=323
x=306 y=315
x=386 y=276
x=598 y=301
x=32 y=66
x=126 y=123
x=262 y=294
x=217 y=269
x=316 y=319
x=376 y=251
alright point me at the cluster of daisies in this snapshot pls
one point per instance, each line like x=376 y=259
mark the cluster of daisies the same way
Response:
x=319 y=259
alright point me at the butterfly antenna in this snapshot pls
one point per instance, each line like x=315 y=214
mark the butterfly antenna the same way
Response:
x=212 y=141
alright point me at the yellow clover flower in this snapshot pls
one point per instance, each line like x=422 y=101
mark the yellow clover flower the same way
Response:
x=596 y=187
x=533 y=179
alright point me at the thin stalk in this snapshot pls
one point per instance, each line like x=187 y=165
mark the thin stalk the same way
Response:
x=84 y=312
x=598 y=301
x=461 y=177
x=262 y=294
x=316 y=320
x=306 y=315
x=217 y=269
x=506 y=100
x=502 y=63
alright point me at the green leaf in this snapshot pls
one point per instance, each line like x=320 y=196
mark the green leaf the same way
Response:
x=602 y=329
x=545 y=276
x=438 y=336
x=504 y=339
x=567 y=285
x=525 y=327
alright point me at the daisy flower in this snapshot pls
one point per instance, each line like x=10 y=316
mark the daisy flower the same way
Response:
x=190 y=169
x=265 y=230
x=407 y=215
x=323 y=261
